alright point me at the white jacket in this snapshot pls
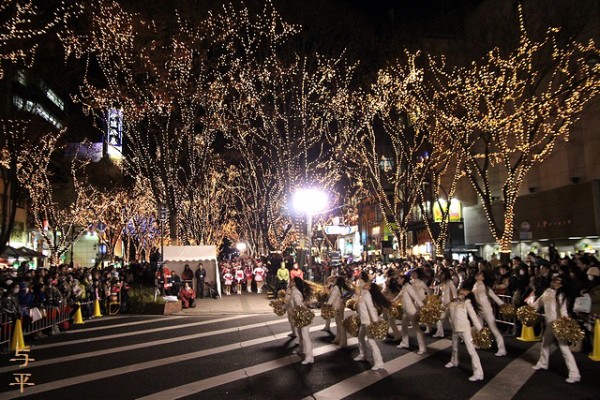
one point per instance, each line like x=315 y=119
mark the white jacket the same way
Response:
x=448 y=291
x=460 y=310
x=296 y=298
x=365 y=308
x=551 y=309
x=420 y=288
x=411 y=302
x=481 y=293
x=335 y=298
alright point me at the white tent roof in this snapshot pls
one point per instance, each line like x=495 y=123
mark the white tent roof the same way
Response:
x=190 y=253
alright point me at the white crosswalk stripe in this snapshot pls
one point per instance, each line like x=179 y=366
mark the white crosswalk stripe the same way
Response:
x=241 y=332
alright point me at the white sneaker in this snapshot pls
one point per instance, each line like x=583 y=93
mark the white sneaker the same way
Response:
x=500 y=353
x=308 y=361
x=537 y=367
x=377 y=367
x=359 y=358
x=421 y=352
x=572 y=380
x=450 y=365
x=439 y=334
x=476 y=378
x=403 y=345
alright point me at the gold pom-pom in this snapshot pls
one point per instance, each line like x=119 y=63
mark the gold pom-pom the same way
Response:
x=319 y=292
x=281 y=293
x=567 y=329
x=351 y=304
x=483 y=338
x=322 y=297
x=328 y=311
x=302 y=316
x=278 y=306
x=378 y=329
x=431 y=311
x=508 y=311
x=351 y=325
x=527 y=315
x=396 y=310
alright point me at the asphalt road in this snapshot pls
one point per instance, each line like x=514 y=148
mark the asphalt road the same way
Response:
x=249 y=356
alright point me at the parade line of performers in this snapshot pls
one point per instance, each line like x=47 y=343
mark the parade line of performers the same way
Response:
x=465 y=310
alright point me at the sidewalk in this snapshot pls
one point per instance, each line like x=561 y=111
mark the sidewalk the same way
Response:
x=245 y=303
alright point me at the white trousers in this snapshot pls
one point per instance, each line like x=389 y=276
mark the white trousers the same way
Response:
x=340 y=333
x=294 y=329
x=366 y=345
x=305 y=344
x=548 y=343
x=488 y=316
x=468 y=339
x=392 y=321
x=414 y=320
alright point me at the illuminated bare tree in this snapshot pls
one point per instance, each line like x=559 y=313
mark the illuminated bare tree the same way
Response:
x=509 y=110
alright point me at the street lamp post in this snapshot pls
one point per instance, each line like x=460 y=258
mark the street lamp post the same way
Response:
x=310 y=202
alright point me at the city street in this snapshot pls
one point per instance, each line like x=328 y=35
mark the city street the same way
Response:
x=221 y=351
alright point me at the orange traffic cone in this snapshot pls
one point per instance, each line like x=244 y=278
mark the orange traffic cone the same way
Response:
x=18 y=341
x=528 y=335
x=595 y=354
x=97 y=312
x=78 y=318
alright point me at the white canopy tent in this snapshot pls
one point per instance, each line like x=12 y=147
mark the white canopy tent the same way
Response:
x=175 y=258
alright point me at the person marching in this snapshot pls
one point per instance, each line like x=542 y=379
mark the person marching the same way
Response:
x=337 y=301
x=248 y=273
x=390 y=292
x=228 y=281
x=259 y=277
x=557 y=301
x=482 y=293
x=289 y=310
x=448 y=293
x=417 y=277
x=411 y=303
x=239 y=278
x=460 y=309
x=370 y=295
x=300 y=292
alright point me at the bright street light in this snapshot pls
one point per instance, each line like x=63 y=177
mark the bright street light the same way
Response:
x=241 y=246
x=310 y=202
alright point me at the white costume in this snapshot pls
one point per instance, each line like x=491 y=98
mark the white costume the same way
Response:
x=448 y=293
x=367 y=314
x=481 y=293
x=552 y=311
x=411 y=303
x=459 y=311
x=335 y=299
x=259 y=278
x=305 y=344
x=391 y=320
x=288 y=308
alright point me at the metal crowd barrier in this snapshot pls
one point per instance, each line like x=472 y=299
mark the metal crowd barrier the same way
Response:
x=500 y=319
x=54 y=315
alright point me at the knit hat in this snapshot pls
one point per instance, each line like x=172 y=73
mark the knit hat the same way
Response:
x=593 y=271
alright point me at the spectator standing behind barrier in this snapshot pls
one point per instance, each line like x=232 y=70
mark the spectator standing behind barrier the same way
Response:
x=200 y=275
x=296 y=272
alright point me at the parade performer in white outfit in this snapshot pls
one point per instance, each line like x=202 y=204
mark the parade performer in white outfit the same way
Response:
x=300 y=292
x=336 y=300
x=411 y=303
x=460 y=310
x=483 y=292
x=368 y=314
x=417 y=277
x=288 y=308
x=556 y=301
x=448 y=293
x=392 y=288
